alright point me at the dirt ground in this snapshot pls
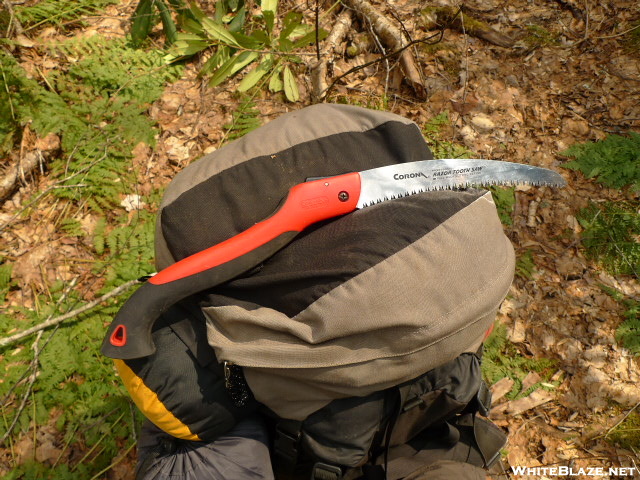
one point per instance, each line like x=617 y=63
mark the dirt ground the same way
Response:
x=571 y=76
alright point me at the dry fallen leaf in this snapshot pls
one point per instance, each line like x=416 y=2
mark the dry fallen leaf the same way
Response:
x=501 y=388
x=537 y=398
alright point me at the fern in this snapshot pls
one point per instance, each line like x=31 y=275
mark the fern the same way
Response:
x=96 y=103
x=129 y=251
x=611 y=236
x=614 y=162
x=433 y=134
x=525 y=266
x=23 y=100
x=105 y=93
x=502 y=359
x=72 y=227
x=97 y=108
x=98 y=236
x=628 y=333
x=505 y=200
x=73 y=377
x=5 y=284
x=5 y=275
x=244 y=119
x=58 y=11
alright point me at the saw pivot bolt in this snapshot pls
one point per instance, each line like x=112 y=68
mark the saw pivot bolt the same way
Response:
x=343 y=196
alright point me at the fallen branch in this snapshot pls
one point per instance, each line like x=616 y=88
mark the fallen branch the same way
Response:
x=393 y=38
x=73 y=313
x=9 y=181
x=384 y=57
x=319 y=69
x=450 y=17
x=43 y=150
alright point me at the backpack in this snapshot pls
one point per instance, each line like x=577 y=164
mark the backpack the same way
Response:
x=360 y=340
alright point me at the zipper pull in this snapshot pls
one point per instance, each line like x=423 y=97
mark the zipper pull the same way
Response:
x=236 y=385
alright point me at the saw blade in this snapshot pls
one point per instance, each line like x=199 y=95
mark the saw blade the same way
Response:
x=403 y=179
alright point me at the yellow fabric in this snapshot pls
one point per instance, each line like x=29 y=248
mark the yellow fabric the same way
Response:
x=151 y=406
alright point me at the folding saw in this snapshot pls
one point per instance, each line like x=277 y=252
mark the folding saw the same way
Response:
x=129 y=335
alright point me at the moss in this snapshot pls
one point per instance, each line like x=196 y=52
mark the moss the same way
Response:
x=627 y=434
x=445 y=16
x=371 y=101
x=631 y=39
x=445 y=53
x=538 y=36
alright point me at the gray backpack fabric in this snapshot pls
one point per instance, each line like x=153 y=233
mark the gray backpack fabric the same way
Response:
x=357 y=304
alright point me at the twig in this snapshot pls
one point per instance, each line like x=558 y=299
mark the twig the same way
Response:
x=618 y=34
x=317 y=20
x=620 y=421
x=586 y=22
x=113 y=464
x=13 y=21
x=132 y=410
x=384 y=52
x=74 y=313
x=25 y=397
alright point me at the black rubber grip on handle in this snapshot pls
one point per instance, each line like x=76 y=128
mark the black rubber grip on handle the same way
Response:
x=129 y=335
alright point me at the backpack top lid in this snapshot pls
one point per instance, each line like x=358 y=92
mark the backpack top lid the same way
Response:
x=355 y=304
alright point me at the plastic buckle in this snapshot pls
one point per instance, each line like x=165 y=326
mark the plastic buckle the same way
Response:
x=323 y=471
x=285 y=446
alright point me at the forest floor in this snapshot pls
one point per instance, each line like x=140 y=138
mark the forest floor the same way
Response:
x=572 y=76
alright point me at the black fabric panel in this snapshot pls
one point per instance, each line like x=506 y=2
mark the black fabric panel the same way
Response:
x=329 y=254
x=187 y=377
x=343 y=432
x=232 y=201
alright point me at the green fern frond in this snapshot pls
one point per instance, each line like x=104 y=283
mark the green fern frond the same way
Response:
x=72 y=227
x=58 y=11
x=244 y=119
x=614 y=161
x=502 y=359
x=129 y=248
x=99 y=239
x=505 y=200
x=525 y=266
x=611 y=236
x=22 y=101
x=5 y=275
x=104 y=93
x=628 y=333
x=433 y=135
